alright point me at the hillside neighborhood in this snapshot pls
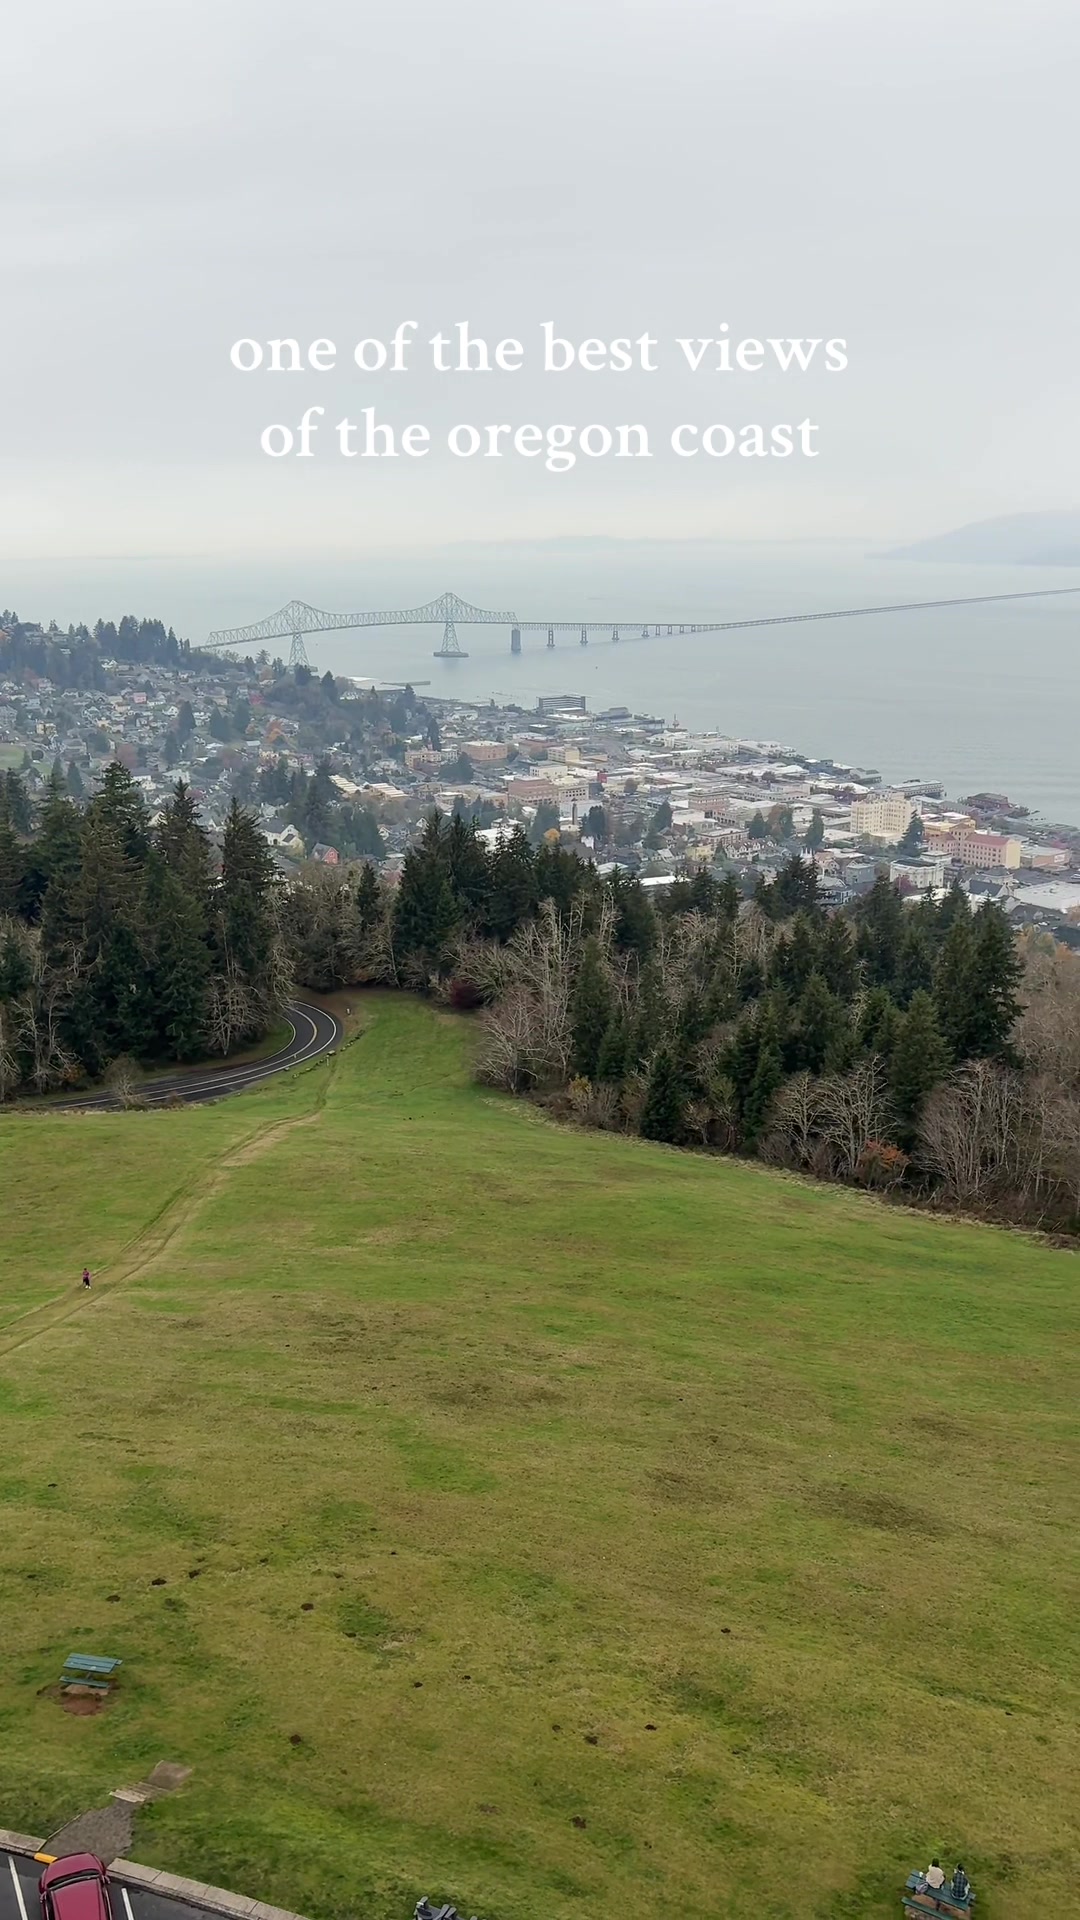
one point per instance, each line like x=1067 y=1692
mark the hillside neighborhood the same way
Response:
x=337 y=770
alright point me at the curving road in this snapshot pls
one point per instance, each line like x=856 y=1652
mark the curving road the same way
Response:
x=314 y=1033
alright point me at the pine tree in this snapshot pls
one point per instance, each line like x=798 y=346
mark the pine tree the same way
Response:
x=592 y=1006
x=795 y=956
x=818 y=1018
x=815 y=832
x=426 y=916
x=912 y=840
x=995 y=976
x=881 y=919
x=55 y=864
x=635 y=922
x=184 y=844
x=920 y=1058
x=837 y=961
x=954 y=986
x=368 y=897
x=612 y=1060
x=244 y=926
x=649 y=1020
x=768 y=1078
x=119 y=805
x=467 y=868
x=665 y=1100
x=877 y=1023
x=75 y=785
x=915 y=963
x=174 y=920
x=13 y=867
x=512 y=896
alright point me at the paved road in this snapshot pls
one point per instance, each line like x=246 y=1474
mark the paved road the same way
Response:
x=314 y=1032
x=19 y=1896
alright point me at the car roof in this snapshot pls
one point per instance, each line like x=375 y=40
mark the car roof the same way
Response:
x=72 y=1864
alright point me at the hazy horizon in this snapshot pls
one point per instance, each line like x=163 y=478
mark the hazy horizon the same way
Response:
x=181 y=178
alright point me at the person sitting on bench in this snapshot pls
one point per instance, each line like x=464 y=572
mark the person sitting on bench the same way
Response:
x=933 y=1876
x=961 y=1885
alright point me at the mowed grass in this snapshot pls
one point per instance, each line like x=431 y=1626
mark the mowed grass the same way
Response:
x=544 y=1521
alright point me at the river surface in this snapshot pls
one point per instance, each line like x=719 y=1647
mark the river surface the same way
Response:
x=981 y=697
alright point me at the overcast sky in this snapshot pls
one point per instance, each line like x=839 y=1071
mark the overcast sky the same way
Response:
x=177 y=176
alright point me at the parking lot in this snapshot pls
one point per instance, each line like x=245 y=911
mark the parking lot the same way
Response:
x=19 y=1895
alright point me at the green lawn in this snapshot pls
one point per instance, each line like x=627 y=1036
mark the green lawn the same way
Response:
x=547 y=1521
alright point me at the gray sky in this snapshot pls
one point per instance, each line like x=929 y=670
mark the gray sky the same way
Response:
x=180 y=175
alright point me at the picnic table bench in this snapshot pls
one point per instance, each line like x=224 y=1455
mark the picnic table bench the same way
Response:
x=921 y=1899
x=93 y=1670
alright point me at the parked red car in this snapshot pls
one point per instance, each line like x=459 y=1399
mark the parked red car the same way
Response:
x=75 y=1888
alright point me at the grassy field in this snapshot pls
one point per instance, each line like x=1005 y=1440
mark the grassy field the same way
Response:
x=545 y=1521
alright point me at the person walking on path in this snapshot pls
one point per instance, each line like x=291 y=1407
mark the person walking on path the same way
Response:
x=86 y=1278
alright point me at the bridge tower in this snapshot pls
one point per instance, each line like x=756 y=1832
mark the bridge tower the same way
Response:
x=584 y=636
x=551 y=636
x=450 y=649
x=298 y=654
x=515 y=639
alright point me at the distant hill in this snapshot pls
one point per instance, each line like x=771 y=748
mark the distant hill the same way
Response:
x=1015 y=539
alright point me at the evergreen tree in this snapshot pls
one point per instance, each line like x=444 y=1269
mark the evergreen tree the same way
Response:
x=819 y=1019
x=794 y=890
x=467 y=867
x=512 y=892
x=877 y=1023
x=767 y=1080
x=15 y=802
x=995 y=976
x=184 y=844
x=815 y=832
x=953 y=987
x=837 y=961
x=757 y=830
x=915 y=962
x=592 y=1008
x=244 y=925
x=368 y=898
x=665 y=1099
x=912 y=839
x=881 y=917
x=920 y=1058
x=175 y=922
x=13 y=867
x=614 y=1049
x=635 y=922
x=120 y=806
x=75 y=785
x=426 y=915
x=560 y=876
x=795 y=956
x=649 y=1017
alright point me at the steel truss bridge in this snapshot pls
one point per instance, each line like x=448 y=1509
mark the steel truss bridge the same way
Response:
x=297 y=620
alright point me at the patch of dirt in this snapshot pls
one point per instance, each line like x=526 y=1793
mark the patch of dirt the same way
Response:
x=880 y=1510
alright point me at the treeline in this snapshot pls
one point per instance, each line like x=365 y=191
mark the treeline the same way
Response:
x=912 y=1049
x=123 y=941
x=74 y=658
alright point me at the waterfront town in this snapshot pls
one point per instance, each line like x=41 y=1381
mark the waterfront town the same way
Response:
x=336 y=770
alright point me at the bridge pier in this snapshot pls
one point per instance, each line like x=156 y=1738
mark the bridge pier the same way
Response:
x=584 y=636
x=515 y=639
x=551 y=636
x=450 y=649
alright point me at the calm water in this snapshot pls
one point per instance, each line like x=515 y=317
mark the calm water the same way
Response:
x=979 y=697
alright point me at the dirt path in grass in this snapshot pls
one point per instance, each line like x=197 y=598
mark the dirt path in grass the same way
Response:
x=147 y=1246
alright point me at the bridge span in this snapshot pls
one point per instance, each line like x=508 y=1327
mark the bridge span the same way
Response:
x=297 y=620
